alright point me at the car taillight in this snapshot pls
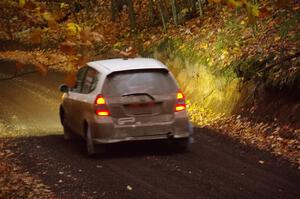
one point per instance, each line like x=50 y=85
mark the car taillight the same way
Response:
x=180 y=102
x=101 y=106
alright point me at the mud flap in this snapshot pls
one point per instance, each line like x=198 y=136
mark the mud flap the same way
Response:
x=90 y=148
x=191 y=133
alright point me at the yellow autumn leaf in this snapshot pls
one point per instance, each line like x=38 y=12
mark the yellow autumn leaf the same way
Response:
x=215 y=1
x=277 y=38
x=181 y=46
x=255 y=10
x=184 y=11
x=204 y=46
x=73 y=29
x=234 y=3
x=63 y=5
x=117 y=45
x=22 y=3
x=48 y=16
x=222 y=56
x=225 y=52
x=236 y=50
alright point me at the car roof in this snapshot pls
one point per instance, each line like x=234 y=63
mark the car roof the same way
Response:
x=114 y=65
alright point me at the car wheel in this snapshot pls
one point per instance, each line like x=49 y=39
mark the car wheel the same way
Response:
x=90 y=148
x=67 y=133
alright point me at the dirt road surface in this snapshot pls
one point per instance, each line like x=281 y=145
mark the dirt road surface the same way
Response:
x=215 y=167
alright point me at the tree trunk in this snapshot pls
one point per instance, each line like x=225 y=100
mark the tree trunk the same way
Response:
x=131 y=15
x=163 y=18
x=193 y=6
x=200 y=8
x=151 y=11
x=114 y=10
x=174 y=11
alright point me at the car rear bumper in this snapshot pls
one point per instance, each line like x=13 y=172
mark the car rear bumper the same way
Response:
x=105 y=131
x=137 y=138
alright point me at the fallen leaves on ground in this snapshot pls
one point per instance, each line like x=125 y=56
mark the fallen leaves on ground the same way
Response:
x=14 y=182
x=281 y=140
x=129 y=188
x=41 y=59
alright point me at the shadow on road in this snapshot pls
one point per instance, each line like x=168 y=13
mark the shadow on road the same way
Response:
x=76 y=147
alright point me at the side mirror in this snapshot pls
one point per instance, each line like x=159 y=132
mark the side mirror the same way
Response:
x=64 y=88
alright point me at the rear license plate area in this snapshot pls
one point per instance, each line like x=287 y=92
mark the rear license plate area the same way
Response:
x=139 y=109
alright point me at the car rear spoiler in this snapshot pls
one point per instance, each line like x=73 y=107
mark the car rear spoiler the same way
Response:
x=162 y=70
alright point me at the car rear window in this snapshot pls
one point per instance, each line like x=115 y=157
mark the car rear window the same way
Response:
x=152 y=82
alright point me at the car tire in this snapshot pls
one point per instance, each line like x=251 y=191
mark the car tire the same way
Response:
x=67 y=133
x=90 y=148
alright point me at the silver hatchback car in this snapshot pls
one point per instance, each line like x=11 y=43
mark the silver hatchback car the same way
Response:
x=120 y=100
